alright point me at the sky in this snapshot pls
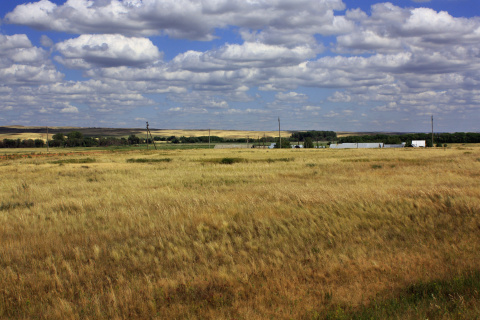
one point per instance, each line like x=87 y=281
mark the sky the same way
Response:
x=351 y=65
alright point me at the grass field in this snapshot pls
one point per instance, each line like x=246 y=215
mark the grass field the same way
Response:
x=240 y=234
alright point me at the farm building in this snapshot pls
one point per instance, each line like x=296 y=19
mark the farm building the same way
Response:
x=356 y=145
x=233 y=146
x=366 y=145
x=395 y=145
x=418 y=143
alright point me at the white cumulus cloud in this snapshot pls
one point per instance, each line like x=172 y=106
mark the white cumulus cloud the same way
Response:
x=107 y=50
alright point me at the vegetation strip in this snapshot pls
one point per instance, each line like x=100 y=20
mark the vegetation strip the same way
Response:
x=65 y=161
x=144 y=160
x=229 y=160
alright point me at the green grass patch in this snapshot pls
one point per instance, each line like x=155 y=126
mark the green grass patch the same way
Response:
x=145 y=160
x=377 y=166
x=224 y=160
x=281 y=160
x=231 y=160
x=456 y=298
x=65 y=161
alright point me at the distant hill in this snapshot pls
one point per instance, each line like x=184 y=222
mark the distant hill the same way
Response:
x=24 y=132
x=20 y=132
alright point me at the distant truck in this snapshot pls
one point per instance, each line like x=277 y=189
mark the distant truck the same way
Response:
x=418 y=143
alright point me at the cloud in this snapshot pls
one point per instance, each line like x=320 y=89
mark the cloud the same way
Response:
x=89 y=51
x=46 y=41
x=291 y=97
x=311 y=108
x=69 y=109
x=340 y=97
x=186 y=19
x=22 y=63
x=19 y=50
x=391 y=59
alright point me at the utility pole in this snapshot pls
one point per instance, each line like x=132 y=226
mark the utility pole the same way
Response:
x=208 y=138
x=153 y=141
x=432 y=131
x=279 y=136
x=48 y=148
x=147 y=135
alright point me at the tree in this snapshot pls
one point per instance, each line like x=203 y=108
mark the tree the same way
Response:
x=285 y=143
x=75 y=135
x=308 y=143
x=39 y=143
x=58 y=136
x=133 y=139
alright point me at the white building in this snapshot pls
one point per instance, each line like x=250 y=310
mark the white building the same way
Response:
x=356 y=145
x=418 y=143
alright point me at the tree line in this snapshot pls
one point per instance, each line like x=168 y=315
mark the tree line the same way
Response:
x=438 y=138
x=313 y=135
x=77 y=139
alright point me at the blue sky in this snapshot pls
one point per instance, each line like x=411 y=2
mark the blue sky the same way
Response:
x=338 y=65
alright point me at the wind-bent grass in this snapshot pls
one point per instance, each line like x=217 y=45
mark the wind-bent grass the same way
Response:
x=195 y=238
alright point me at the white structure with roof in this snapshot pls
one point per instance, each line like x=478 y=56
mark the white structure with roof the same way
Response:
x=418 y=143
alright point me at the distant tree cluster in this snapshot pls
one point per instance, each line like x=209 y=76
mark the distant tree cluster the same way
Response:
x=26 y=143
x=314 y=136
x=439 y=138
x=284 y=142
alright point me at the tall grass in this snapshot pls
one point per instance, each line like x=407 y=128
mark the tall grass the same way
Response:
x=195 y=238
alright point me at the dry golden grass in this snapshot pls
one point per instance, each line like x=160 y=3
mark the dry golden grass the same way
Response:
x=280 y=234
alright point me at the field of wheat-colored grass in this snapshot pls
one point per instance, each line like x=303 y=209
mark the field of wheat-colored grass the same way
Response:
x=231 y=234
